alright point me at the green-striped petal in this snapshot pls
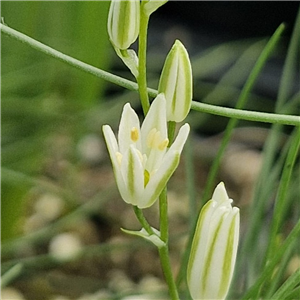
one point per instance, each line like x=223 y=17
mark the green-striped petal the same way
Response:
x=176 y=83
x=123 y=22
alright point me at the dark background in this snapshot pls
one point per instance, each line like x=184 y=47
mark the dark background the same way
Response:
x=231 y=19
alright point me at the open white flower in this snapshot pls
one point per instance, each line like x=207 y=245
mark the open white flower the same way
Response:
x=214 y=248
x=141 y=161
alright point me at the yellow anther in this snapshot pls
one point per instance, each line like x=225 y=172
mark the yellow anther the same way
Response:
x=155 y=141
x=164 y=144
x=119 y=157
x=134 y=134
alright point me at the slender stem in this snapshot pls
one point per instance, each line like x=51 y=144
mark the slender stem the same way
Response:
x=163 y=203
x=287 y=286
x=11 y=275
x=142 y=77
x=163 y=216
x=67 y=59
x=133 y=86
x=164 y=251
x=140 y=216
x=166 y=266
x=243 y=114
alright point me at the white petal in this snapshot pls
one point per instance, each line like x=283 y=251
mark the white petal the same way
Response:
x=184 y=86
x=222 y=262
x=154 y=160
x=171 y=77
x=112 y=145
x=133 y=175
x=123 y=22
x=168 y=165
x=157 y=159
x=181 y=138
x=214 y=248
x=110 y=139
x=129 y=120
x=220 y=196
x=198 y=250
x=159 y=180
x=113 y=149
x=155 y=118
x=176 y=82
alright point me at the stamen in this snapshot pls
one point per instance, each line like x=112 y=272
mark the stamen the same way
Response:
x=134 y=134
x=155 y=141
x=163 y=145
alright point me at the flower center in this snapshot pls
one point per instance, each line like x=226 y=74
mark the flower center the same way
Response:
x=156 y=141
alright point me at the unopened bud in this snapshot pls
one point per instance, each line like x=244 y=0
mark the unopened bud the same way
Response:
x=214 y=248
x=123 y=22
x=176 y=83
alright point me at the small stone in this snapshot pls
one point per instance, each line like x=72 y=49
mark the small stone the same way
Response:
x=65 y=246
x=9 y=293
x=91 y=149
x=49 y=206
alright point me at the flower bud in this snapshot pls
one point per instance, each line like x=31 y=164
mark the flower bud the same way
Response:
x=214 y=248
x=176 y=83
x=123 y=22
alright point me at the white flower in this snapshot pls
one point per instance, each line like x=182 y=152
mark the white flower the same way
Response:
x=123 y=22
x=141 y=161
x=176 y=83
x=214 y=248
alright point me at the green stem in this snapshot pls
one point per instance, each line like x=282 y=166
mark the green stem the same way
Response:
x=140 y=216
x=243 y=114
x=163 y=203
x=166 y=266
x=142 y=77
x=164 y=251
x=11 y=275
x=133 y=86
x=163 y=216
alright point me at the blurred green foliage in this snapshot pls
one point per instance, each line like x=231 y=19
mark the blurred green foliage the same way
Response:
x=41 y=96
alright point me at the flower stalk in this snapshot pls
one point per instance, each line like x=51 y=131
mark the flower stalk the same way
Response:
x=142 y=63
